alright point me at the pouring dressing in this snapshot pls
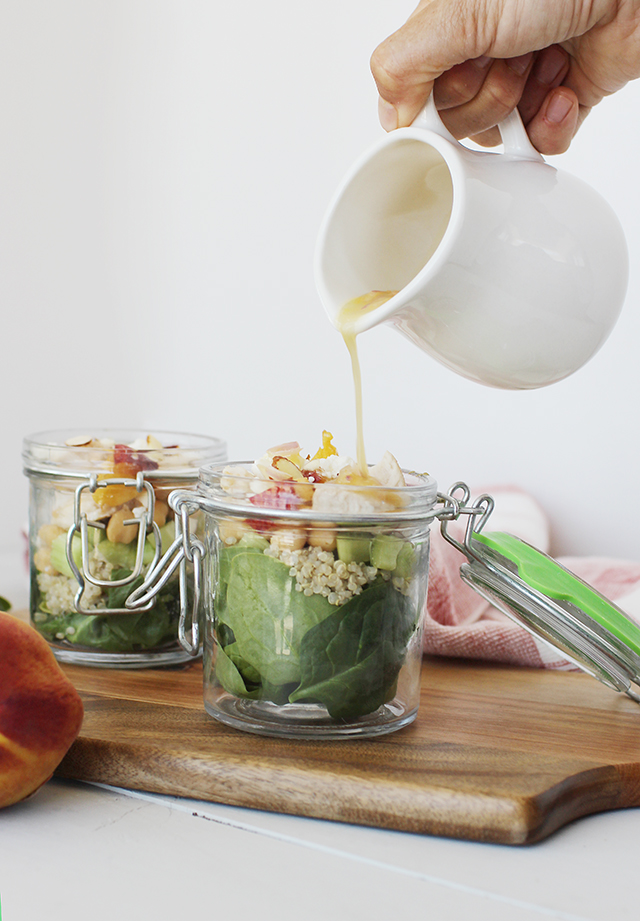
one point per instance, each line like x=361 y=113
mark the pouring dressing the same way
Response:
x=507 y=270
x=347 y=322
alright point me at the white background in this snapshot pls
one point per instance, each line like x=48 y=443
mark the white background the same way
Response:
x=164 y=166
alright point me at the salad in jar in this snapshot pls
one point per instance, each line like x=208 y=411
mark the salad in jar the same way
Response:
x=319 y=587
x=71 y=599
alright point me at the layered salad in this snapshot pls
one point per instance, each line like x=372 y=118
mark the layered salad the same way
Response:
x=112 y=552
x=318 y=584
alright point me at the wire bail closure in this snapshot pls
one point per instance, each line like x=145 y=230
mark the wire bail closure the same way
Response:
x=185 y=549
x=81 y=525
x=456 y=504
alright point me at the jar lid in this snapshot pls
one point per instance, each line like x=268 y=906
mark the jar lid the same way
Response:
x=236 y=490
x=551 y=602
x=80 y=452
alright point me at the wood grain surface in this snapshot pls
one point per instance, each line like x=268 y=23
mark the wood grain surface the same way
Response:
x=496 y=754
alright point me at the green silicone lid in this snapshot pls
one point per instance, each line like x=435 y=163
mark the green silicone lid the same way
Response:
x=547 y=576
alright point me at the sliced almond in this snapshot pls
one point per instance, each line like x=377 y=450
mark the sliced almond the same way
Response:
x=79 y=441
x=286 y=466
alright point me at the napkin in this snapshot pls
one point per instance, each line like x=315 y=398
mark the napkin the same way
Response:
x=460 y=623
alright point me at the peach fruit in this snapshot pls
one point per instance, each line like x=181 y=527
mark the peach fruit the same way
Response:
x=40 y=711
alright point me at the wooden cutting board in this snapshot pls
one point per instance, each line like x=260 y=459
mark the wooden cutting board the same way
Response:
x=497 y=754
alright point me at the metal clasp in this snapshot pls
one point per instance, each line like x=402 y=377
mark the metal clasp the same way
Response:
x=456 y=503
x=185 y=549
x=82 y=524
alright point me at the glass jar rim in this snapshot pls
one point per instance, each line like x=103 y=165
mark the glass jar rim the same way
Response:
x=181 y=455
x=413 y=502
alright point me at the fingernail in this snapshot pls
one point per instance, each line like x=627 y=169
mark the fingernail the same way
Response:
x=558 y=108
x=482 y=62
x=519 y=65
x=387 y=114
x=549 y=65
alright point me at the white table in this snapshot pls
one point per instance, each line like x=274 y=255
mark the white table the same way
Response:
x=82 y=852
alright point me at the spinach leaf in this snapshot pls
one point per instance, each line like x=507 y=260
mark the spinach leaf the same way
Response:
x=225 y=558
x=350 y=661
x=118 y=594
x=268 y=616
x=250 y=675
x=224 y=634
x=230 y=676
x=277 y=693
x=277 y=644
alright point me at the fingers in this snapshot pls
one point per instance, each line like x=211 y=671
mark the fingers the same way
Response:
x=550 y=68
x=462 y=83
x=475 y=96
x=437 y=37
x=552 y=129
x=446 y=46
x=498 y=95
x=550 y=117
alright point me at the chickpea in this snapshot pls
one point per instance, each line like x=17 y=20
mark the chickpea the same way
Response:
x=289 y=539
x=48 y=533
x=232 y=529
x=324 y=538
x=117 y=531
x=42 y=560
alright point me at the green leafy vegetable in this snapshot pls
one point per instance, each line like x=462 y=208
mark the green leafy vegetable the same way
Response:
x=119 y=632
x=350 y=662
x=278 y=644
x=229 y=675
x=267 y=615
x=118 y=594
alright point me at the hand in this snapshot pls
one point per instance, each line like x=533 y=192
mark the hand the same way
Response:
x=553 y=59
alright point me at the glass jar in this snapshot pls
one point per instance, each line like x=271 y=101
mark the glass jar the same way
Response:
x=99 y=518
x=314 y=602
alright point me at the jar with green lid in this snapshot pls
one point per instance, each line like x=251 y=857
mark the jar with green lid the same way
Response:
x=99 y=518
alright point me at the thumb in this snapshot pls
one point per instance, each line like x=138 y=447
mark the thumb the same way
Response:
x=437 y=36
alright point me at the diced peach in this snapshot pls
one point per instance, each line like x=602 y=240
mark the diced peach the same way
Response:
x=327 y=449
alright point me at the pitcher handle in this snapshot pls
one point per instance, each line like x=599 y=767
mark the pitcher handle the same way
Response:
x=515 y=139
x=429 y=120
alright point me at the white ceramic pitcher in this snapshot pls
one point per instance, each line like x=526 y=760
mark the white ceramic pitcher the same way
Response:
x=508 y=270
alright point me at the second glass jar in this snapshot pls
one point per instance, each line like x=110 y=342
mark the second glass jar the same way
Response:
x=92 y=538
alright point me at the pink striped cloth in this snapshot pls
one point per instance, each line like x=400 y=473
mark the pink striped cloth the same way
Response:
x=460 y=623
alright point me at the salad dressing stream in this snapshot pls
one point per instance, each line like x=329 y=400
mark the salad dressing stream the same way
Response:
x=345 y=323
